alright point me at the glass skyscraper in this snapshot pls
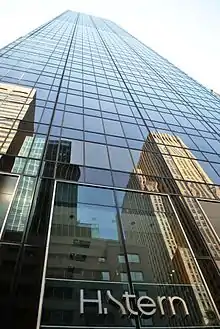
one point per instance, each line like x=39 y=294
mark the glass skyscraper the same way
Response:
x=109 y=184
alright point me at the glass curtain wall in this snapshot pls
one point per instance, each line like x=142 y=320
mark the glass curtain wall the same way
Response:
x=109 y=178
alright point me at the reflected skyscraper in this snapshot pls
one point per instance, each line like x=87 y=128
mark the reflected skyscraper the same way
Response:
x=172 y=159
x=179 y=164
x=17 y=106
x=154 y=234
x=17 y=110
x=109 y=183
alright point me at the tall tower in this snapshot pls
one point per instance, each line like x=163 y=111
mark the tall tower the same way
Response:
x=109 y=181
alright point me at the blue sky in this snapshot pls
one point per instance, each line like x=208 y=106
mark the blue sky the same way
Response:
x=186 y=32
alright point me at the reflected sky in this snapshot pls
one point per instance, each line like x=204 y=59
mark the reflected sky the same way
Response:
x=102 y=220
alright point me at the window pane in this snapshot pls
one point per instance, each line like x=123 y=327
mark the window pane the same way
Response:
x=113 y=127
x=131 y=131
x=93 y=124
x=85 y=237
x=212 y=211
x=95 y=196
x=73 y=120
x=120 y=159
x=96 y=155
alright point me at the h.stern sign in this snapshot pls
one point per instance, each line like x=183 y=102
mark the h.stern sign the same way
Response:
x=144 y=305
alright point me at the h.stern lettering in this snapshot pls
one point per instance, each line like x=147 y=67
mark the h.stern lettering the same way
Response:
x=144 y=305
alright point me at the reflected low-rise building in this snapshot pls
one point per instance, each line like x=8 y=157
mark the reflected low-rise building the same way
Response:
x=109 y=184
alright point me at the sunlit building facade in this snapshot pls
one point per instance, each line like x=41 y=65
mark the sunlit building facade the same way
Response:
x=109 y=183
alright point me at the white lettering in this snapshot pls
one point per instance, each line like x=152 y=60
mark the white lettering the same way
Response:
x=149 y=304
x=145 y=304
x=176 y=298
x=96 y=301
x=114 y=300
x=160 y=300
x=127 y=302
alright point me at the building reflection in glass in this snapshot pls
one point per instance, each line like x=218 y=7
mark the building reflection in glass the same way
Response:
x=86 y=244
x=85 y=239
x=62 y=304
x=152 y=231
x=22 y=152
x=17 y=108
x=103 y=238
x=7 y=188
x=17 y=105
x=172 y=159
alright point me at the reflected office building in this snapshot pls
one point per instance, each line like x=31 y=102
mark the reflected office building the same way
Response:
x=178 y=263
x=109 y=184
x=17 y=106
x=173 y=159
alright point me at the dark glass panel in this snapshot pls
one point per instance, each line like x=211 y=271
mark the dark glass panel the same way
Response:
x=61 y=305
x=85 y=238
x=98 y=176
x=7 y=188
